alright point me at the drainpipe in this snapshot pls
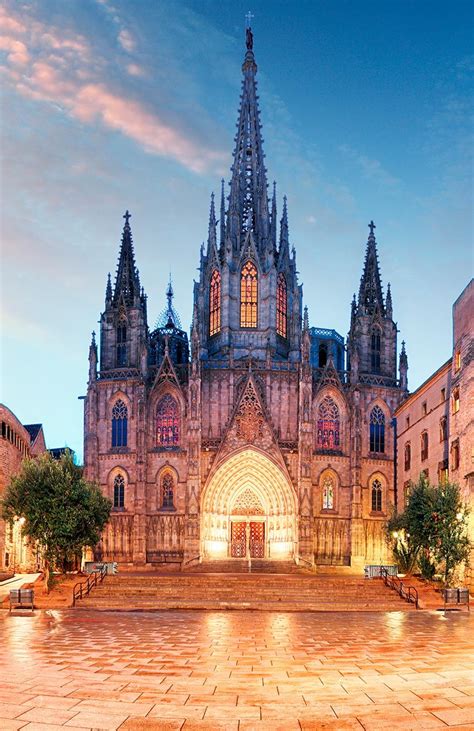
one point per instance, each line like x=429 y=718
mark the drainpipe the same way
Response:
x=395 y=463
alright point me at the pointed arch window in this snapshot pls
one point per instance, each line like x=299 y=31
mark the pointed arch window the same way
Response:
x=167 y=422
x=322 y=355
x=328 y=434
x=377 y=430
x=215 y=303
x=167 y=492
x=248 y=295
x=119 y=424
x=375 y=346
x=282 y=305
x=122 y=343
x=119 y=492
x=328 y=493
x=376 y=494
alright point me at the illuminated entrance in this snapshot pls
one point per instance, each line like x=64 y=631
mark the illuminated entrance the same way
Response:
x=248 y=510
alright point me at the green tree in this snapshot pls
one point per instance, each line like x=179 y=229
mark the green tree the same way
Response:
x=432 y=527
x=450 y=543
x=61 y=510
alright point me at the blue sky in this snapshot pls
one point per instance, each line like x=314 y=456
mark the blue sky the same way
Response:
x=115 y=104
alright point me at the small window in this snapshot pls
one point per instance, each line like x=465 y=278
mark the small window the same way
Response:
x=443 y=472
x=424 y=446
x=122 y=343
x=167 y=492
x=443 y=429
x=376 y=496
x=328 y=493
x=457 y=361
x=119 y=492
x=407 y=456
x=119 y=424
x=407 y=422
x=455 y=400
x=424 y=408
x=322 y=355
x=167 y=422
x=455 y=454
x=377 y=430
x=443 y=395
x=282 y=305
x=426 y=474
x=375 y=347
x=406 y=492
x=215 y=303
x=248 y=295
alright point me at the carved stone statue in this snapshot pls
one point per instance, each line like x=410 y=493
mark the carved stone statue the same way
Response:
x=249 y=39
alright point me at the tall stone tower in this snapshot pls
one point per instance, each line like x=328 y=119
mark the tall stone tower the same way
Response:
x=249 y=256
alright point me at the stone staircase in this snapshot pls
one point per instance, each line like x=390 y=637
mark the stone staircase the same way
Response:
x=289 y=592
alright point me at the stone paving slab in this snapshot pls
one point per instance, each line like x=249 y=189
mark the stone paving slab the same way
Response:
x=239 y=671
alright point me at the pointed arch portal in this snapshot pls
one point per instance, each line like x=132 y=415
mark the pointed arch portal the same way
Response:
x=248 y=507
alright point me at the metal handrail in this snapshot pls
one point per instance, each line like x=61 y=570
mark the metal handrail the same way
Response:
x=305 y=560
x=190 y=560
x=83 y=588
x=409 y=593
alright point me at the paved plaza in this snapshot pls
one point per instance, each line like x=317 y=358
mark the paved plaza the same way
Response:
x=236 y=670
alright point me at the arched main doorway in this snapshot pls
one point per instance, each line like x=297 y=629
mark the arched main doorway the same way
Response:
x=248 y=506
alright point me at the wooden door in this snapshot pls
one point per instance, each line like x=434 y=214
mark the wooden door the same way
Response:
x=238 y=536
x=257 y=540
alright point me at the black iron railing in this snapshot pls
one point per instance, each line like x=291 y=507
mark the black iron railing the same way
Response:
x=83 y=588
x=409 y=593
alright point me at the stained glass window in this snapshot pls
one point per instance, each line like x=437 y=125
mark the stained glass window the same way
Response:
x=215 y=303
x=377 y=430
x=119 y=424
x=328 y=434
x=167 y=492
x=167 y=422
x=328 y=493
x=375 y=350
x=119 y=492
x=282 y=305
x=376 y=496
x=248 y=295
x=122 y=343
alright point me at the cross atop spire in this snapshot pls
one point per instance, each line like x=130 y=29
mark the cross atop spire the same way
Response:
x=370 y=291
x=248 y=19
x=127 y=282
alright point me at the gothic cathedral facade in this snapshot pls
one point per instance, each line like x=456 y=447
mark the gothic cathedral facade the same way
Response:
x=262 y=436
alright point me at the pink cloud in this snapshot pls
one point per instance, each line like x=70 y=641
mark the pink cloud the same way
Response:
x=17 y=52
x=9 y=24
x=60 y=68
x=126 y=40
x=135 y=70
x=95 y=101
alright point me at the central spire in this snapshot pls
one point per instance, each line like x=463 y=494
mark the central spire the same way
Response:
x=248 y=202
x=370 y=290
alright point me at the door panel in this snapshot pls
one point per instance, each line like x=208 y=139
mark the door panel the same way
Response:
x=257 y=540
x=237 y=546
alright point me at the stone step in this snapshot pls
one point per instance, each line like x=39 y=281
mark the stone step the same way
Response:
x=276 y=592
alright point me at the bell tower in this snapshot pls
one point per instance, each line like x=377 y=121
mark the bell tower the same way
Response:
x=248 y=291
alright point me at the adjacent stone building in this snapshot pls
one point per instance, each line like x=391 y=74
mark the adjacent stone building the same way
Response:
x=435 y=424
x=263 y=435
x=16 y=442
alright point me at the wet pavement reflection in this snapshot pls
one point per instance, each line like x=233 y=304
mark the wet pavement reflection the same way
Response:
x=236 y=670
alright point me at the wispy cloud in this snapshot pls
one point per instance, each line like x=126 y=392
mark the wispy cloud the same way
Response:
x=370 y=168
x=45 y=63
